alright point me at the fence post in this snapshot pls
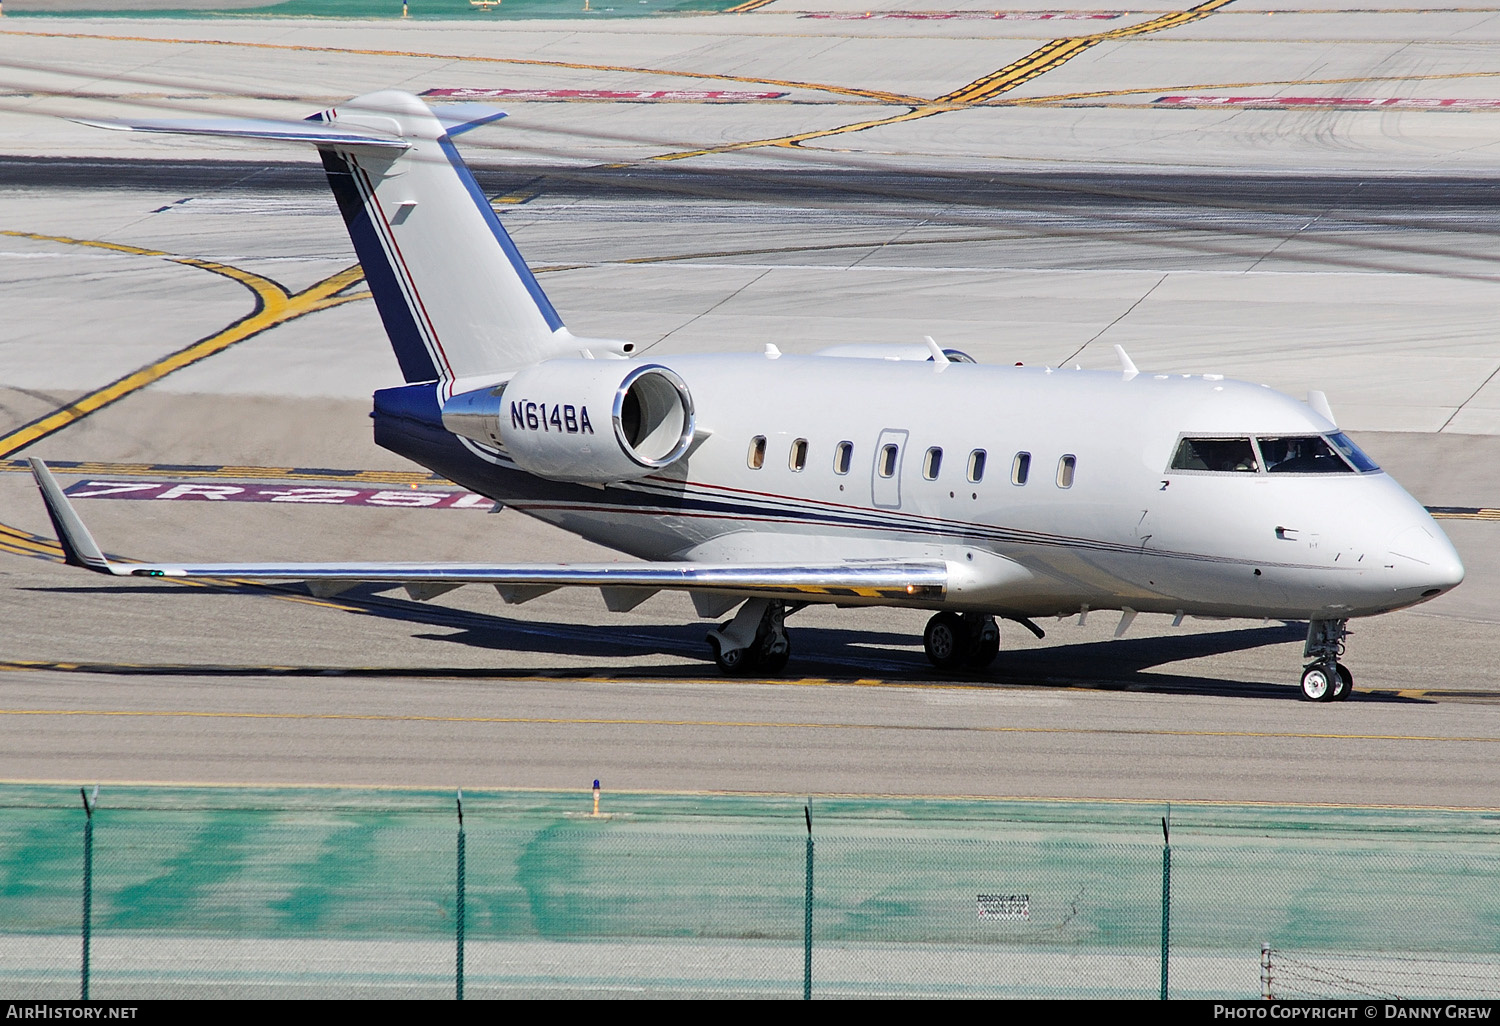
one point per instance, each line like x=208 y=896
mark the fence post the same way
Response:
x=1265 y=971
x=1166 y=902
x=88 y=884
x=458 y=917
x=807 y=906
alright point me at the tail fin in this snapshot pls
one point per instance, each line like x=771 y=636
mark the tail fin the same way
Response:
x=454 y=294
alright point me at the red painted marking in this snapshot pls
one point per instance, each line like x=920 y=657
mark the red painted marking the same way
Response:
x=169 y=491
x=601 y=94
x=971 y=15
x=1353 y=102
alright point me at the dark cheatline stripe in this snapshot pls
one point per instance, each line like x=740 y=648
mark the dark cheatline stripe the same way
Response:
x=390 y=299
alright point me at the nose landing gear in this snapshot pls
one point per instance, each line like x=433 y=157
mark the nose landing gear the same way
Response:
x=1325 y=679
x=954 y=640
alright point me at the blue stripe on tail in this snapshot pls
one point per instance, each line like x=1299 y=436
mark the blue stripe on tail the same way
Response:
x=395 y=312
x=543 y=304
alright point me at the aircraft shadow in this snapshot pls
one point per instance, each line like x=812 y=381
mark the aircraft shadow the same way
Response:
x=830 y=653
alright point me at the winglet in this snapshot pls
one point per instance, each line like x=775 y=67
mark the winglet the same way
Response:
x=79 y=547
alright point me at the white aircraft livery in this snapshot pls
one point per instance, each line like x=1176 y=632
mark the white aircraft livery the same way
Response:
x=866 y=475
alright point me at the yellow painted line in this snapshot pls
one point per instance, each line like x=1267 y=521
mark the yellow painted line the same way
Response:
x=273 y=305
x=601 y=721
x=868 y=94
x=1060 y=51
x=1038 y=62
x=748 y=6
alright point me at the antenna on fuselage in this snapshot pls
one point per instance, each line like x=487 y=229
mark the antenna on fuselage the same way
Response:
x=1127 y=365
x=1319 y=403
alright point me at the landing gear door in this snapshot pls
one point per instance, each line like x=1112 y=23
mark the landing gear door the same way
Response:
x=885 y=475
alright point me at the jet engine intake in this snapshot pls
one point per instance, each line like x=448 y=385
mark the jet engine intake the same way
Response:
x=588 y=421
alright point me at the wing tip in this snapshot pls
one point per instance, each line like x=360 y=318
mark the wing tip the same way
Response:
x=78 y=546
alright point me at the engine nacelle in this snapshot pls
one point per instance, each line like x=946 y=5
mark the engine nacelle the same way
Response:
x=589 y=421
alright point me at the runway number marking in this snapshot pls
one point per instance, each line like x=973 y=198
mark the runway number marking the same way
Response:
x=681 y=95
x=168 y=491
x=1338 y=102
x=966 y=15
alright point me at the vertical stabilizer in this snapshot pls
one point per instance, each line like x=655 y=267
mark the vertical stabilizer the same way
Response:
x=456 y=298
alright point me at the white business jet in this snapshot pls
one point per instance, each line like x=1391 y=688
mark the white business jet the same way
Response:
x=867 y=475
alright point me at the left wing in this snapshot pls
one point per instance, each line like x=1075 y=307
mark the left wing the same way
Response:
x=625 y=584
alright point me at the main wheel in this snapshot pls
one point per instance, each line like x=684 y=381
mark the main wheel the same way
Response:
x=774 y=661
x=1346 y=683
x=1318 y=683
x=985 y=651
x=946 y=640
x=735 y=662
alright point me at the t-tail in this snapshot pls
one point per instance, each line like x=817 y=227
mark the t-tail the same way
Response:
x=457 y=300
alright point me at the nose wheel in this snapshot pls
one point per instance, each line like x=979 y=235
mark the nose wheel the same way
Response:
x=954 y=641
x=1322 y=683
x=1325 y=679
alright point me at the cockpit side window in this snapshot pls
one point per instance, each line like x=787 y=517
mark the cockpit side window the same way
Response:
x=1221 y=455
x=1302 y=454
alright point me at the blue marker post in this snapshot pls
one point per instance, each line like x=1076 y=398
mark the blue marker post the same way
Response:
x=596 y=798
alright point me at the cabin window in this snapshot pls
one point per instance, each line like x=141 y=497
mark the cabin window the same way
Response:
x=1301 y=455
x=843 y=457
x=1020 y=468
x=757 y=457
x=933 y=464
x=1216 y=454
x=886 y=467
x=798 y=457
x=1065 y=468
x=976 y=466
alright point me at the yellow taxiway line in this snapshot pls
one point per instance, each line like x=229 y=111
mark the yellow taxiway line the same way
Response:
x=274 y=305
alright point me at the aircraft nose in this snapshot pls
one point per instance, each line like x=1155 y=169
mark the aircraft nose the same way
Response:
x=1426 y=559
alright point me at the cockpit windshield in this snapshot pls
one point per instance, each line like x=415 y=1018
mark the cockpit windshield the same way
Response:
x=1282 y=454
x=1303 y=454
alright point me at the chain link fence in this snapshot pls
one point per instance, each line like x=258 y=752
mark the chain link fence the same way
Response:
x=223 y=892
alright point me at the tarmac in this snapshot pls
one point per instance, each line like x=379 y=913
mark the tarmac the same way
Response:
x=1024 y=189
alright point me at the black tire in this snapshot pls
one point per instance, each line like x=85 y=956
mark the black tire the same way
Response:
x=1346 y=681
x=734 y=662
x=1318 y=683
x=946 y=641
x=772 y=663
x=985 y=651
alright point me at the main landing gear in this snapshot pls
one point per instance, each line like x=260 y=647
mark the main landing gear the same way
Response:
x=955 y=640
x=755 y=641
x=1325 y=679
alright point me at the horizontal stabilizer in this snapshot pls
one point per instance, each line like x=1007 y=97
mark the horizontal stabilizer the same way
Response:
x=836 y=582
x=315 y=132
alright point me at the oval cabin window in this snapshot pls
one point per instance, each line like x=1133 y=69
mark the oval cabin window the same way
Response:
x=1065 y=467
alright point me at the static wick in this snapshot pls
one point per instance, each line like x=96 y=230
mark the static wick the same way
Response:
x=596 y=797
